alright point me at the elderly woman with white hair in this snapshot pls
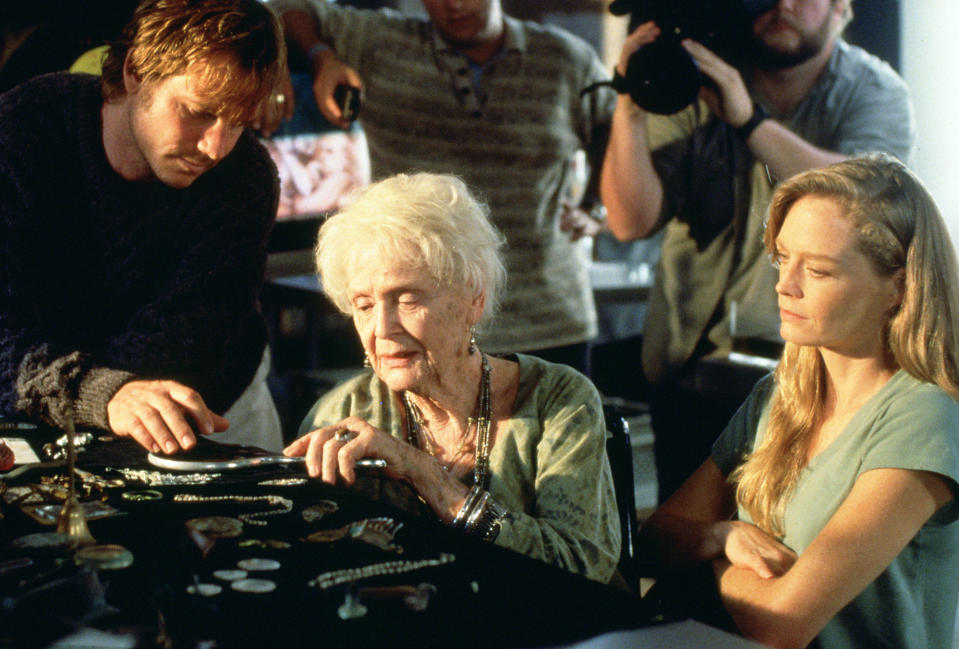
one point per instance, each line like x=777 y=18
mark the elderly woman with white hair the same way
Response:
x=509 y=449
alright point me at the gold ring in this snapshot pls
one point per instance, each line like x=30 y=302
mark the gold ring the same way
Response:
x=344 y=435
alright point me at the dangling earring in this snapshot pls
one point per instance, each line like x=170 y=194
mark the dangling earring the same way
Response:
x=472 y=346
x=366 y=361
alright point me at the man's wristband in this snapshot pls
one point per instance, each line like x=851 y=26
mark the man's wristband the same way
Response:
x=619 y=83
x=759 y=115
x=595 y=208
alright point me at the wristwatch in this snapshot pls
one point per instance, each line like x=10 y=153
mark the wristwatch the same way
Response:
x=595 y=208
x=759 y=115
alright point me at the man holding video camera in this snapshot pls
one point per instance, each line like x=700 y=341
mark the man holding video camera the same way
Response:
x=799 y=97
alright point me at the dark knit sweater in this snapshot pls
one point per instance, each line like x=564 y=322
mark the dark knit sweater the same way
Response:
x=103 y=280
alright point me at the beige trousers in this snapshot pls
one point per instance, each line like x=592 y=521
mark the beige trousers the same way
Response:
x=253 y=418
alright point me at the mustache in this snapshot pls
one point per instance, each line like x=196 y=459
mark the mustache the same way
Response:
x=785 y=19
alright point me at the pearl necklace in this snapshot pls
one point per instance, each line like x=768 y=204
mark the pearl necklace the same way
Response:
x=285 y=504
x=416 y=430
x=333 y=578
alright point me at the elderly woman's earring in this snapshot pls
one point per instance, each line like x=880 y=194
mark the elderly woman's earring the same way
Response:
x=366 y=361
x=472 y=346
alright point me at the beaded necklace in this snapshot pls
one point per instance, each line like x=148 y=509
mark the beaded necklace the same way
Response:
x=415 y=429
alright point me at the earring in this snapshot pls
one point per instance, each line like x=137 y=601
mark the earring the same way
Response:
x=472 y=346
x=366 y=361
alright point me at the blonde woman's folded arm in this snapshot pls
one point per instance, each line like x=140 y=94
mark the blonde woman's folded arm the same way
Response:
x=882 y=513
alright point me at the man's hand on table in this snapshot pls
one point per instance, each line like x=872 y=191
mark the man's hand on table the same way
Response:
x=158 y=414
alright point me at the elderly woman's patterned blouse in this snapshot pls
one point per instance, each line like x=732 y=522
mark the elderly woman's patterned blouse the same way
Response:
x=548 y=463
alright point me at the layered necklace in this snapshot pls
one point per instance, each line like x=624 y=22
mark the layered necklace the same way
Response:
x=416 y=430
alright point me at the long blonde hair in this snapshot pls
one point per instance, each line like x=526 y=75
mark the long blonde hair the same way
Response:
x=898 y=227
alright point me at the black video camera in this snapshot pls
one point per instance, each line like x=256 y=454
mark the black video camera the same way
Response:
x=662 y=77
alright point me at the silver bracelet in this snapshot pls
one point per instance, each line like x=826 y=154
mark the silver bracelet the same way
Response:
x=485 y=522
x=467 y=506
x=159 y=478
x=480 y=515
x=488 y=522
x=476 y=512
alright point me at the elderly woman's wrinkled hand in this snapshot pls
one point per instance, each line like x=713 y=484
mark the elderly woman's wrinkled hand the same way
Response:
x=332 y=452
x=747 y=546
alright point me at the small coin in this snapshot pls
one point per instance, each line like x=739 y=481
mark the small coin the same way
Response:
x=104 y=557
x=258 y=564
x=204 y=590
x=253 y=585
x=229 y=575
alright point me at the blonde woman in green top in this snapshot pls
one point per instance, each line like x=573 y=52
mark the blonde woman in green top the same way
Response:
x=511 y=449
x=828 y=505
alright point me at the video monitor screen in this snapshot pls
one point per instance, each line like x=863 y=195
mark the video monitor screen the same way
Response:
x=319 y=164
x=318 y=171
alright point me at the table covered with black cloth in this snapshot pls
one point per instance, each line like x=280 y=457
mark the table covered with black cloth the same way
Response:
x=484 y=597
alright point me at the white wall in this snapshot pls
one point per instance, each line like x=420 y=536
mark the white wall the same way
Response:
x=930 y=35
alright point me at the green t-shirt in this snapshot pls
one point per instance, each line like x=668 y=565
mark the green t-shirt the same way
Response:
x=908 y=424
x=548 y=463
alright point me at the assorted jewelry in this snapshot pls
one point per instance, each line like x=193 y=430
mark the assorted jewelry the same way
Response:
x=159 y=478
x=414 y=416
x=327 y=580
x=378 y=532
x=230 y=575
x=238 y=579
x=285 y=504
x=351 y=608
x=283 y=482
x=256 y=564
x=142 y=495
x=253 y=586
x=216 y=527
x=480 y=515
x=204 y=590
x=104 y=557
x=49 y=513
x=57 y=450
x=415 y=598
x=269 y=544
x=315 y=512
x=57 y=488
x=472 y=344
x=416 y=430
x=205 y=531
